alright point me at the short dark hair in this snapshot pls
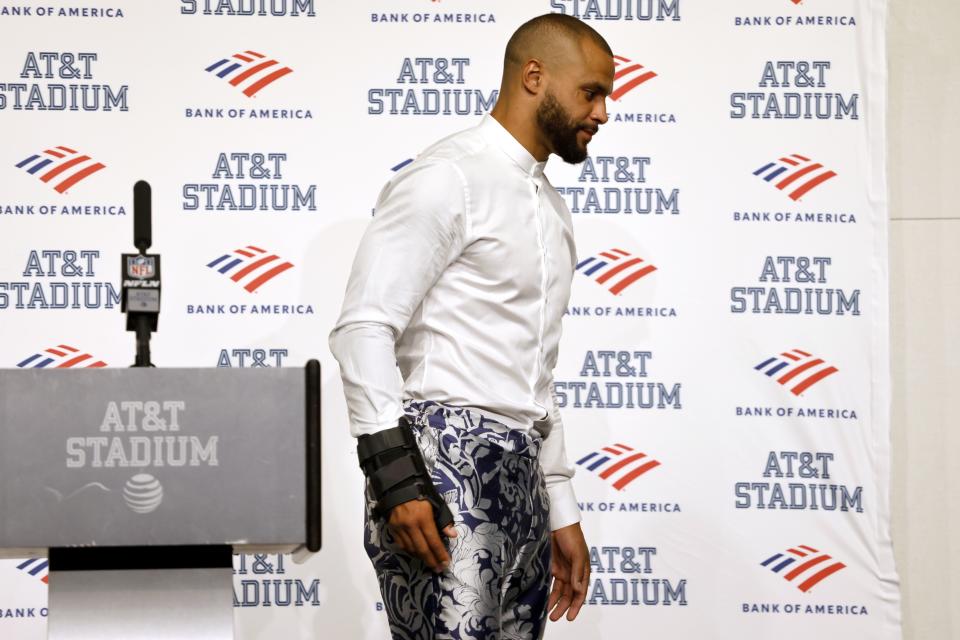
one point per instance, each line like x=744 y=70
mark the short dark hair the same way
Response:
x=541 y=28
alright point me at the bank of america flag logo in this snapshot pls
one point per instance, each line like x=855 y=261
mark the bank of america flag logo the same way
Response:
x=795 y=175
x=796 y=369
x=60 y=167
x=627 y=76
x=615 y=269
x=250 y=266
x=618 y=464
x=61 y=356
x=249 y=71
x=36 y=567
x=803 y=566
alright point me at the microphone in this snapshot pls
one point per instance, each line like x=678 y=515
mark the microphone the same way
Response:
x=140 y=281
x=142 y=212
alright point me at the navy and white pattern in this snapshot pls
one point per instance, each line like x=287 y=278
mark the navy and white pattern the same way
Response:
x=496 y=584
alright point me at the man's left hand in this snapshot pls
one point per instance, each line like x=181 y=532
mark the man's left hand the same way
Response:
x=570 y=566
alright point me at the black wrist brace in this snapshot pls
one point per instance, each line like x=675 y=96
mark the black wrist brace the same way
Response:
x=392 y=462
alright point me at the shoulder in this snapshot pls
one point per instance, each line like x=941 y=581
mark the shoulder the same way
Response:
x=443 y=166
x=429 y=188
x=457 y=147
x=429 y=173
x=460 y=153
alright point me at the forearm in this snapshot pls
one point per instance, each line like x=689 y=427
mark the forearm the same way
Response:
x=371 y=381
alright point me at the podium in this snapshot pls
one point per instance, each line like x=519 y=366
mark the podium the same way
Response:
x=139 y=484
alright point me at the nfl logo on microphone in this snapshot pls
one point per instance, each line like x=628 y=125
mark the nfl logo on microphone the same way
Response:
x=141 y=266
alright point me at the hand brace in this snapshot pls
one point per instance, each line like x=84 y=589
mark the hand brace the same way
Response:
x=392 y=462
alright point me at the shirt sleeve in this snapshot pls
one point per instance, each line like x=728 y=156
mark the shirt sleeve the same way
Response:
x=558 y=472
x=418 y=230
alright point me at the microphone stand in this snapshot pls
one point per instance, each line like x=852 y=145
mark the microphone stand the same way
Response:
x=143 y=331
x=141 y=277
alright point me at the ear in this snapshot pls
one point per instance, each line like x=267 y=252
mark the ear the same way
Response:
x=531 y=75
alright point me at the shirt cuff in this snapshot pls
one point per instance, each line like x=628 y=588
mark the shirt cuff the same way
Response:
x=564 y=509
x=381 y=423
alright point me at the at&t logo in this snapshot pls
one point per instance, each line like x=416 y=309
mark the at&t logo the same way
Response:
x=625 y=576
x=59 y=68
x=618 y=185
x=143 y=493
x=622 y=10
x=410 y=97
x=249 y=8
x=617 y=380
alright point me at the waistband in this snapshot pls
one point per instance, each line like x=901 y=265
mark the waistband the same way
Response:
x=474 y=423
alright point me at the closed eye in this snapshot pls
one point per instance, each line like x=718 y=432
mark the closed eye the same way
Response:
x=593 y=90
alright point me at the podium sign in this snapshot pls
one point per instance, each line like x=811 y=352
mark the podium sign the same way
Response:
x=138 y=457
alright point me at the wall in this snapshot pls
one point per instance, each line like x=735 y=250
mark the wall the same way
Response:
x=924 y=89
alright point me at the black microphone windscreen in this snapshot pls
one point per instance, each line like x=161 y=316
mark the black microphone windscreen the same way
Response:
x=142 y=232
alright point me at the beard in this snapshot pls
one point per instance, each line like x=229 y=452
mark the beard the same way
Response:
x=561 y=130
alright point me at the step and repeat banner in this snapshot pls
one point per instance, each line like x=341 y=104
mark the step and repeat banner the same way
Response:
x=723 y=373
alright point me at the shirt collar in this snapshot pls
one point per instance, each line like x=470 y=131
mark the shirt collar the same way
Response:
x=496 y=134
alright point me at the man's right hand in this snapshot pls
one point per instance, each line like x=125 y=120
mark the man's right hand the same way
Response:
x=415 y=531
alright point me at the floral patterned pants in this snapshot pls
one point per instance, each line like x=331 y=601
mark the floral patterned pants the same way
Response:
x=499 y=573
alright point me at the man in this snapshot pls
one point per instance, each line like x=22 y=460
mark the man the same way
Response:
x=462 y=279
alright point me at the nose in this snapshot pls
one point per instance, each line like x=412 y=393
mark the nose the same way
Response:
x=600 y=111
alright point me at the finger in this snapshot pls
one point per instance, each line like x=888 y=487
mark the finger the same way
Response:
x=555 y=593
x=566 y=599
x=581 y=583
x=450 y=531
x=579 y=596
x=585 y=580
x=560 y=609
x=575 y=607
x=561 y=577
x=436 y=545
x=579 y=567
x=422 y=549
x=564 y=603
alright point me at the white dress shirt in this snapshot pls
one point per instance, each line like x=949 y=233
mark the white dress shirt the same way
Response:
x=462 y=279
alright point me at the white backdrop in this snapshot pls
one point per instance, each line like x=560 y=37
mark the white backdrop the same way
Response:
x=743 y=161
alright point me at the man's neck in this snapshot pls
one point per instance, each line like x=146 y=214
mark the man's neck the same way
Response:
x=520 y=127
